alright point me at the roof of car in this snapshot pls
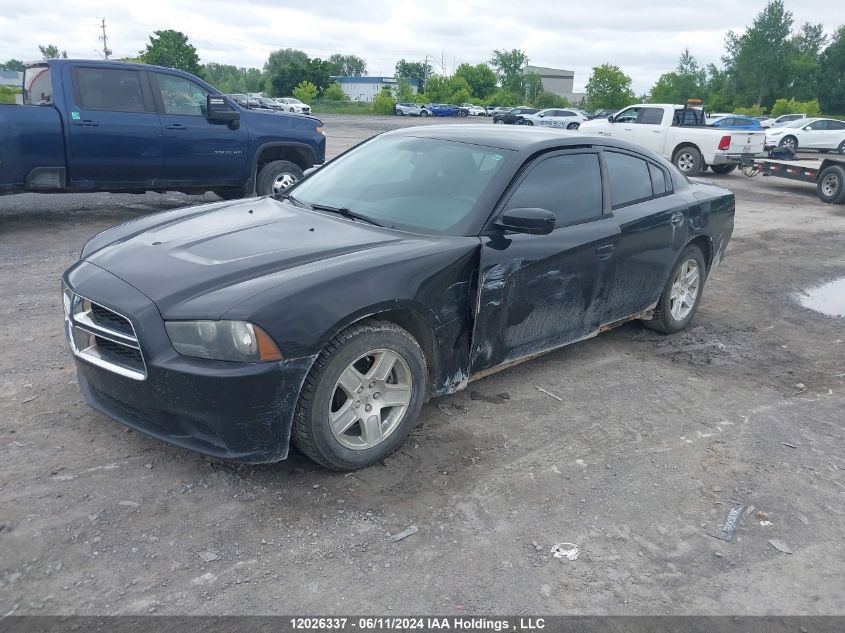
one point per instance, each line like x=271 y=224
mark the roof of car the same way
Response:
x=510 y=137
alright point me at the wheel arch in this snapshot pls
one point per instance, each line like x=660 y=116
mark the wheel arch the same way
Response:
x=705 y=244
x=297 y=153
x=684 y=144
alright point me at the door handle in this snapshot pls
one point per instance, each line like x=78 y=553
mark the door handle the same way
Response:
x=86 y=123
x=677 y=219
x=175 y=126
x=656 y=131
x=605 y=251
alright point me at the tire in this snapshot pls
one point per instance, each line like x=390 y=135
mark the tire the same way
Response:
x=831 y=185
x=665 y=319
x=789 y=141
x=572 y=126
x=841 y=148
x=722 y=169
x=526 y=122
x=322 y=394
x=688 y=159
x=424 y=113
x=397 y=113
x=276 y=176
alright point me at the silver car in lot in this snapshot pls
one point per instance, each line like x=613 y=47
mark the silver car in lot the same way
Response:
x=568 y=119
x=411 y=109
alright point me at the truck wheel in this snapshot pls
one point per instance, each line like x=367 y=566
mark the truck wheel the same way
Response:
x=831 y=185
x=361 y=397
x=681 y=294
x=688 y=159
x=722 y=169
x=789 y=141
x=276 y=176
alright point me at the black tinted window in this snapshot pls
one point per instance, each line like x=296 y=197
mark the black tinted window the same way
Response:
x=651 y=116
x=836 y=125
x=569 y=186
x=629 y=179
x=658 y=179
x=566 y=113
x=112 y=89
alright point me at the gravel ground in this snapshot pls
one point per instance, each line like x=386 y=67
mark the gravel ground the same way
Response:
x=654 y=442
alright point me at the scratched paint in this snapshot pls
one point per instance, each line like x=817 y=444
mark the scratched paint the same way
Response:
x=828 y=298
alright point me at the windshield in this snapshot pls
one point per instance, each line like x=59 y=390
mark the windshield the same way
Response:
x=798 y=123
x=417 y=184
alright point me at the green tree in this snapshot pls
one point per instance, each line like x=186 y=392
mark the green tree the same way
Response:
x=384 y=103
x=509 y=68
x=305 y=92
x=404 y=94
x=172 y=49
x=719 y=90
x=609 y=87
x=806 y=47
x=831 y=74
x=480 y=78
x=503 y=97
x=439 y=89
x=413 y=70
x=759 y=59
x=688 y=80
x=335 y=93
x=348 y=65
x=283 y=71
x=51 y=51
x=790 y=106
x=7 y=94
x=13 y=64
x=462 y=95
x=532 y=85
x=546 y=99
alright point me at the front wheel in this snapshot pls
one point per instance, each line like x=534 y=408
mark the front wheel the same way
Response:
x=424 y=113
x=831 y=185
x=790 y=142
x=722 y=169
x=572 y=126
x=681 y=294
x=276 y=176
x=689 y=161
x=841 y=148
x=361 y=397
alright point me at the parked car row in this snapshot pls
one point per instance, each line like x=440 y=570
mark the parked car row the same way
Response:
x=280 y=104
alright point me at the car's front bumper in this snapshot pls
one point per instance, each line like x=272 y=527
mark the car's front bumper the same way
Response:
x=236 y=411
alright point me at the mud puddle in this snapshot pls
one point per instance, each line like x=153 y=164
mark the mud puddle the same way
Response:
x=828 y=298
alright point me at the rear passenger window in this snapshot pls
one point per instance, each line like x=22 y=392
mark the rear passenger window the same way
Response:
x=629 y=179
x=568 y=185
x=658 y=179
x=651 y=116
x=111 y=89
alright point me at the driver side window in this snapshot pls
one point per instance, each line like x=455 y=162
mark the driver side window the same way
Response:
x=181 y=96
x=628 y=116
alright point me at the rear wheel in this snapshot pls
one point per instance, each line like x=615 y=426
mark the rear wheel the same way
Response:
x=688 y=159
x=681 y=294
x=276 y=176
x=572 y=126
x=789 y=141
x=841 y=148
x=831 y=185
x=722 y=169
x=361 y=397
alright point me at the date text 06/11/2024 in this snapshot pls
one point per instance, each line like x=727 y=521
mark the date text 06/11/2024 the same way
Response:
x=456 y=623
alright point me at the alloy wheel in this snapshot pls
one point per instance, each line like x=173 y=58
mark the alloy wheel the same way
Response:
x=685 y=289
x=370 y=399
x=685 y=162
x=282 y=182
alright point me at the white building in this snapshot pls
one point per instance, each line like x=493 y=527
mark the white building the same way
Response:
x=560 y=82
x=366 y=88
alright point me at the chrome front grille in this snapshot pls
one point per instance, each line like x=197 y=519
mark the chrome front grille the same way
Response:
x=102 y=336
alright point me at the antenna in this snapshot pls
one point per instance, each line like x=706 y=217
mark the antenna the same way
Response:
x=106 y=49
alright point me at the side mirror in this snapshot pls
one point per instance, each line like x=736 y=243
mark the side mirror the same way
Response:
x=610 y=118
x=542 y=116
x=220 y=110
x=532 y=221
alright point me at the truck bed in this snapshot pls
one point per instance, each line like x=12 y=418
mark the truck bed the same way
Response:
x=30 y=137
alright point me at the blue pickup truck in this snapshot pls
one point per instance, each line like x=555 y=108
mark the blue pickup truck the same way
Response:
x=111 y=126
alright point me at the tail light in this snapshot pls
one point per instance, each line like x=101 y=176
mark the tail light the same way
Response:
x=725 y=143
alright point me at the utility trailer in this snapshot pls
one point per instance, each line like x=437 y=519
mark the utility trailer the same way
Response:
x=827 y=174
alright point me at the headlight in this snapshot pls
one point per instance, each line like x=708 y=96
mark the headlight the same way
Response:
x=223 y=340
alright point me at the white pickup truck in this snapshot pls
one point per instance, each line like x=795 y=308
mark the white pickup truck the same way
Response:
x=679 y=133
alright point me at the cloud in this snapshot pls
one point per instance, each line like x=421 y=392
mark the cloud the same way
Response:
x=644 y=39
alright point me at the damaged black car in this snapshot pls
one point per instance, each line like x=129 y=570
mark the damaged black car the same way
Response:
x=412 y=264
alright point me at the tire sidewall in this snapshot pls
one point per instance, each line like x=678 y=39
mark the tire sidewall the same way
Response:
x=794 y=143
x=690 y=252
x=841 y=148
x=839 y=195
x=270 y=171
x=316 y=416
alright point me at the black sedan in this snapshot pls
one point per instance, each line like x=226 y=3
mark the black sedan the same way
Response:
x=514 y=116
x=414 y=263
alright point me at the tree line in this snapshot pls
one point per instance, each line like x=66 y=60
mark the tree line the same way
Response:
x=773 y=65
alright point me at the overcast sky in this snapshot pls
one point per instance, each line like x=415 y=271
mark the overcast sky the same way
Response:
x=644 y=38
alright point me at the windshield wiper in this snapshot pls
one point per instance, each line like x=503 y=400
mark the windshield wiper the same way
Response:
x=345 y=213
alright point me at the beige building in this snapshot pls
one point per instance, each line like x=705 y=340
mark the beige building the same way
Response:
x=560 y=82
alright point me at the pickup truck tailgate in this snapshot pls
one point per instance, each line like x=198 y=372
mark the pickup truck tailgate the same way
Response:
x=746 y=142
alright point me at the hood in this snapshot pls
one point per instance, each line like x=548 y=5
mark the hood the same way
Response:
x=214 y=247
